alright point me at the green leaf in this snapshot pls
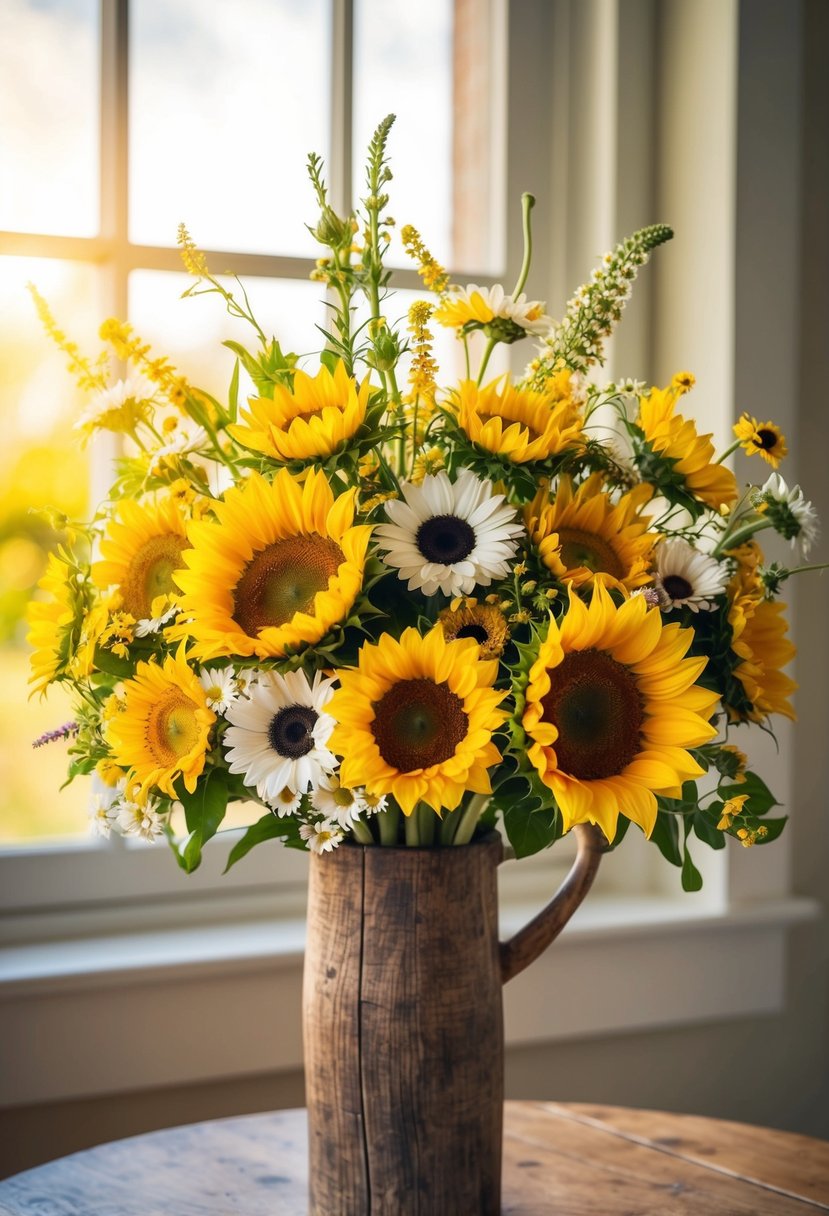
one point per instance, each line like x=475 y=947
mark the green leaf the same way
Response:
x=760 y=797
x=233 y=392
x=529 y=832
x=204 y=811
x=269 y=827
x=665 y=836
x=775 y=827
x=705 y=826
x=691 y=877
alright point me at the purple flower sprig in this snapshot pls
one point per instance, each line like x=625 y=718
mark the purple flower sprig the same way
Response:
x=63 y=732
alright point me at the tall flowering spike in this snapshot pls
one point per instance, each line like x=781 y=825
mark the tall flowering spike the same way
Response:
x=578 y=340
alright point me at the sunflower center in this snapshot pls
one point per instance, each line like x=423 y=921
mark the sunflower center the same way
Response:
x=677 y=587
x=445 y=539
x=473 y=631
x=282 y=580
x=586 y=549
x=172 y=728
x=418 y=723
x=767 y=439
x=291 y=731
x=596 y=706
x=151 y=573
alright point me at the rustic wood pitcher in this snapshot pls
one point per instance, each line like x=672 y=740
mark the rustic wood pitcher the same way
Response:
x=403 y=1024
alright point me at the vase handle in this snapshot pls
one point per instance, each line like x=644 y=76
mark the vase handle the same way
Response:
x=525 y=947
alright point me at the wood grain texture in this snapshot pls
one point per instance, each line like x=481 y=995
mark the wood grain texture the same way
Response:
x=559 y=1160
x=415 y=1025
x=531 y=941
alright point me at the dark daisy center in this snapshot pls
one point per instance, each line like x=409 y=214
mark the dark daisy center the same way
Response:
x=767 y=438
x=586 y=549
x=291 y=731
x=445 y=539
x=473 y=631
x=418 y=723
x=596 y=706
x=677 y=587
x=283 y=579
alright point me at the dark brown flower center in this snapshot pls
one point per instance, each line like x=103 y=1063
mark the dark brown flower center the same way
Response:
x=586 y=549
x=291 y=731
x=282 y=580
x=418 y=723
x=596 y=706
x=767 y=439
x=151 y=573
x=677 y=587
x=445 y=539
x=473 y=631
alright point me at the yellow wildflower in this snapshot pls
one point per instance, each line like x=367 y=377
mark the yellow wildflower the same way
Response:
x=434 y=276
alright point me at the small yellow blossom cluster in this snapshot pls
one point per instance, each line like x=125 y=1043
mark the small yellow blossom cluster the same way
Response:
x=424 y=368
x=128 y=346
x=89 y=376
x=435 y=277
x=195 y=262
x=426 y=464
x=747 y=834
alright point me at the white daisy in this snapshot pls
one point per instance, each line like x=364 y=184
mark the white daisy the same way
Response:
x=338 y=802
x=286 y=802
x=529 y=314
x=220 y=687
x=102 y=815
x=183 y=443
x=135 y=819
x=789 y=512
x=246 y=678
x=686 y=578
x=278 y=736
x=150 y=625
x=374 y=803
x=449 y=537
x=134 y=393
x=321 y=837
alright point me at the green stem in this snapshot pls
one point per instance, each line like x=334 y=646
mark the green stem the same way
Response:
x=427 y=821
x=362 y=832
x=728 y=451
x=490 y=347
x=803 y=569
x=527 y=204
x=410 y=824
x=448 y=826
x=744 y=533
x=388 y=823
x=469 y=818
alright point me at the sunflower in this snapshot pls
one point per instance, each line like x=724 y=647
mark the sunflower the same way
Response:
x=584 y=538
x=51 y=624
x=676 y=455
x=484 y=623
x=314 y=418
x=758 y=639
x=142 y=547
x=762 y=437
x=449 y=536
x=278 y=568
x=611 y=707
x=415 y=720
x=162 y=730
x=519 y=424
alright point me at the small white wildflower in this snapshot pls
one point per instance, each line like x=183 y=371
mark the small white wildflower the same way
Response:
x=337 y=801
x=150 y=625
x=286 y=802
x=220 y=686
x=144 y=821
x=789 y=512
x=321 y=837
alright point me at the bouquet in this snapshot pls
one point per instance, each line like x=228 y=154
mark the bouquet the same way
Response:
x=396 y=610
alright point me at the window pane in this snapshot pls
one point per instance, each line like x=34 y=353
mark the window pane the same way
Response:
x=190 y=332
x=49 y=116
x=430 y=64
x=41 y=465
x=226 y=101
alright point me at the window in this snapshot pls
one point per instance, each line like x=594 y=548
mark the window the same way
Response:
x=143 y=116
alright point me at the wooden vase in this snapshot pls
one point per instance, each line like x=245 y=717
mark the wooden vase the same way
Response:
x=403 y=1024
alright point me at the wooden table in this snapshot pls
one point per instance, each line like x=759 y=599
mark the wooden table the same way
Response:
x=570 y=1160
